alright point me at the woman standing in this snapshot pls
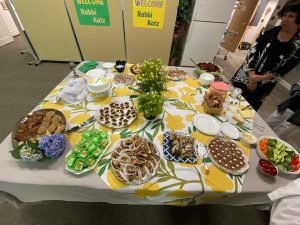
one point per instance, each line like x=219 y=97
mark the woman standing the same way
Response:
x=275 y=53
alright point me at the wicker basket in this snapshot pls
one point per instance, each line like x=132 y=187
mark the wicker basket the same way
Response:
x=211 y=110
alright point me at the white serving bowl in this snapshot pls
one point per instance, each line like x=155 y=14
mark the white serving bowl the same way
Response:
x=101 y=94
x=98 y=85
x=206 y=79
x=248 y=138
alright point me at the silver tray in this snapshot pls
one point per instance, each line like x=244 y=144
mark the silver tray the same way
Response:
x=15 y=142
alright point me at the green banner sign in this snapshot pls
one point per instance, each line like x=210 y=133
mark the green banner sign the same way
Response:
x=92 y=12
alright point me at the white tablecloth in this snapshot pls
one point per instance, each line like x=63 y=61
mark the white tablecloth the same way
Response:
x=31 y=182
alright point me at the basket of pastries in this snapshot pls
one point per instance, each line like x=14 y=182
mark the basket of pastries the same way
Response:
x=213 y=104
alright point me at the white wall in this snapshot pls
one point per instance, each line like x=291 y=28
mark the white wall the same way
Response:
x=252 y=32
x=10 y=24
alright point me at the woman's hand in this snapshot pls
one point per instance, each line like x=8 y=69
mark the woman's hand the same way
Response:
x=253 y=78
x=298 y=82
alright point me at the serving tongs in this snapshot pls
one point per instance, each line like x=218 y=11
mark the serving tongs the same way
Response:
x=203 y=151
x=195 y=64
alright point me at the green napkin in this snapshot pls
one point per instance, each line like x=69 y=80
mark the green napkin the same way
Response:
x=88 y=66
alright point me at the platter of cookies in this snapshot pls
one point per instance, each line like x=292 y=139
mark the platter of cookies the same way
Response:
x=227 y=155
x=118 y=114
x=135 y=69
x=124 y=79
x=175 y=74
x=37 y=124
x=135 y=160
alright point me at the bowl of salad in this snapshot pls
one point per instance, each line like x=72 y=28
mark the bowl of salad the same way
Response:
x=207 y=67
x=280 y=153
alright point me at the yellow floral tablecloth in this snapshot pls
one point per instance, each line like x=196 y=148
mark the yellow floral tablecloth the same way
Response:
x=175 y=183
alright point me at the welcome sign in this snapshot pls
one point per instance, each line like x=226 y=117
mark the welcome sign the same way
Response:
x=149 y=13
x=92 y=12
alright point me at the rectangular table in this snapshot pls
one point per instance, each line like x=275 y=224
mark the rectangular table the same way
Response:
x=50 y=181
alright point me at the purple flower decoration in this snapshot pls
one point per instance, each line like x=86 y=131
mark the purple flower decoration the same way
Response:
x=53 y=146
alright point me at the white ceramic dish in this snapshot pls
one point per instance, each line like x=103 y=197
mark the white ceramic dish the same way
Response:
x=148 y=175
x=219 y=166
x=108 y=65
x=207 y=124
x=99 y=85
x=96 y=73
x=103 y=93
x=230 y=130
x=206 y=79
x=248 y=138
x=122 y=113
x=261 y=155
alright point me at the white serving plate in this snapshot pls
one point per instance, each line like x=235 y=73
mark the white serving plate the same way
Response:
x=96 y=73
x=142 y=181
x=230 y=130
x=261 y=155
x=207 y=124
x=130 y=121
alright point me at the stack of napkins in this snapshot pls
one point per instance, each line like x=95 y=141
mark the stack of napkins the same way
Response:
x=75 y=91
x=88 y=66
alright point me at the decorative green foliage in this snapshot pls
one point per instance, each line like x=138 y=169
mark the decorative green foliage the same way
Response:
x=151 y=104
x=183 y=106
x=184 y=13
x=152 y=76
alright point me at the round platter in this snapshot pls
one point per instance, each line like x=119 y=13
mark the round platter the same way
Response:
x=118 y=114
x=96 y=73
x=35 y=116
x=207 y=124
x=230 y=130
x=175 y=74
x=135 y=160
x=124 y=79
x=135 y=69
x=227 y=156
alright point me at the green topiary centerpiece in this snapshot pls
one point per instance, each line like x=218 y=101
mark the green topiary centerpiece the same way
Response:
x=151 y=104
x=151 y=87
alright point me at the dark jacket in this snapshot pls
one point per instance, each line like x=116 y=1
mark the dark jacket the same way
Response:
x=293 y=103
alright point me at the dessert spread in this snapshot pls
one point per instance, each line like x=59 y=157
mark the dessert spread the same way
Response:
x=135 y=69
x=87 y=152
x=213 y=104
x=175 y=74
x=117 y=114
x=182 y=145
x=135 y=160
x=124 y=79
x=38 y=124
x=227 y=156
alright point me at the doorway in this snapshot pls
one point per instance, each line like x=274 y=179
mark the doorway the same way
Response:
x=239 y=23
